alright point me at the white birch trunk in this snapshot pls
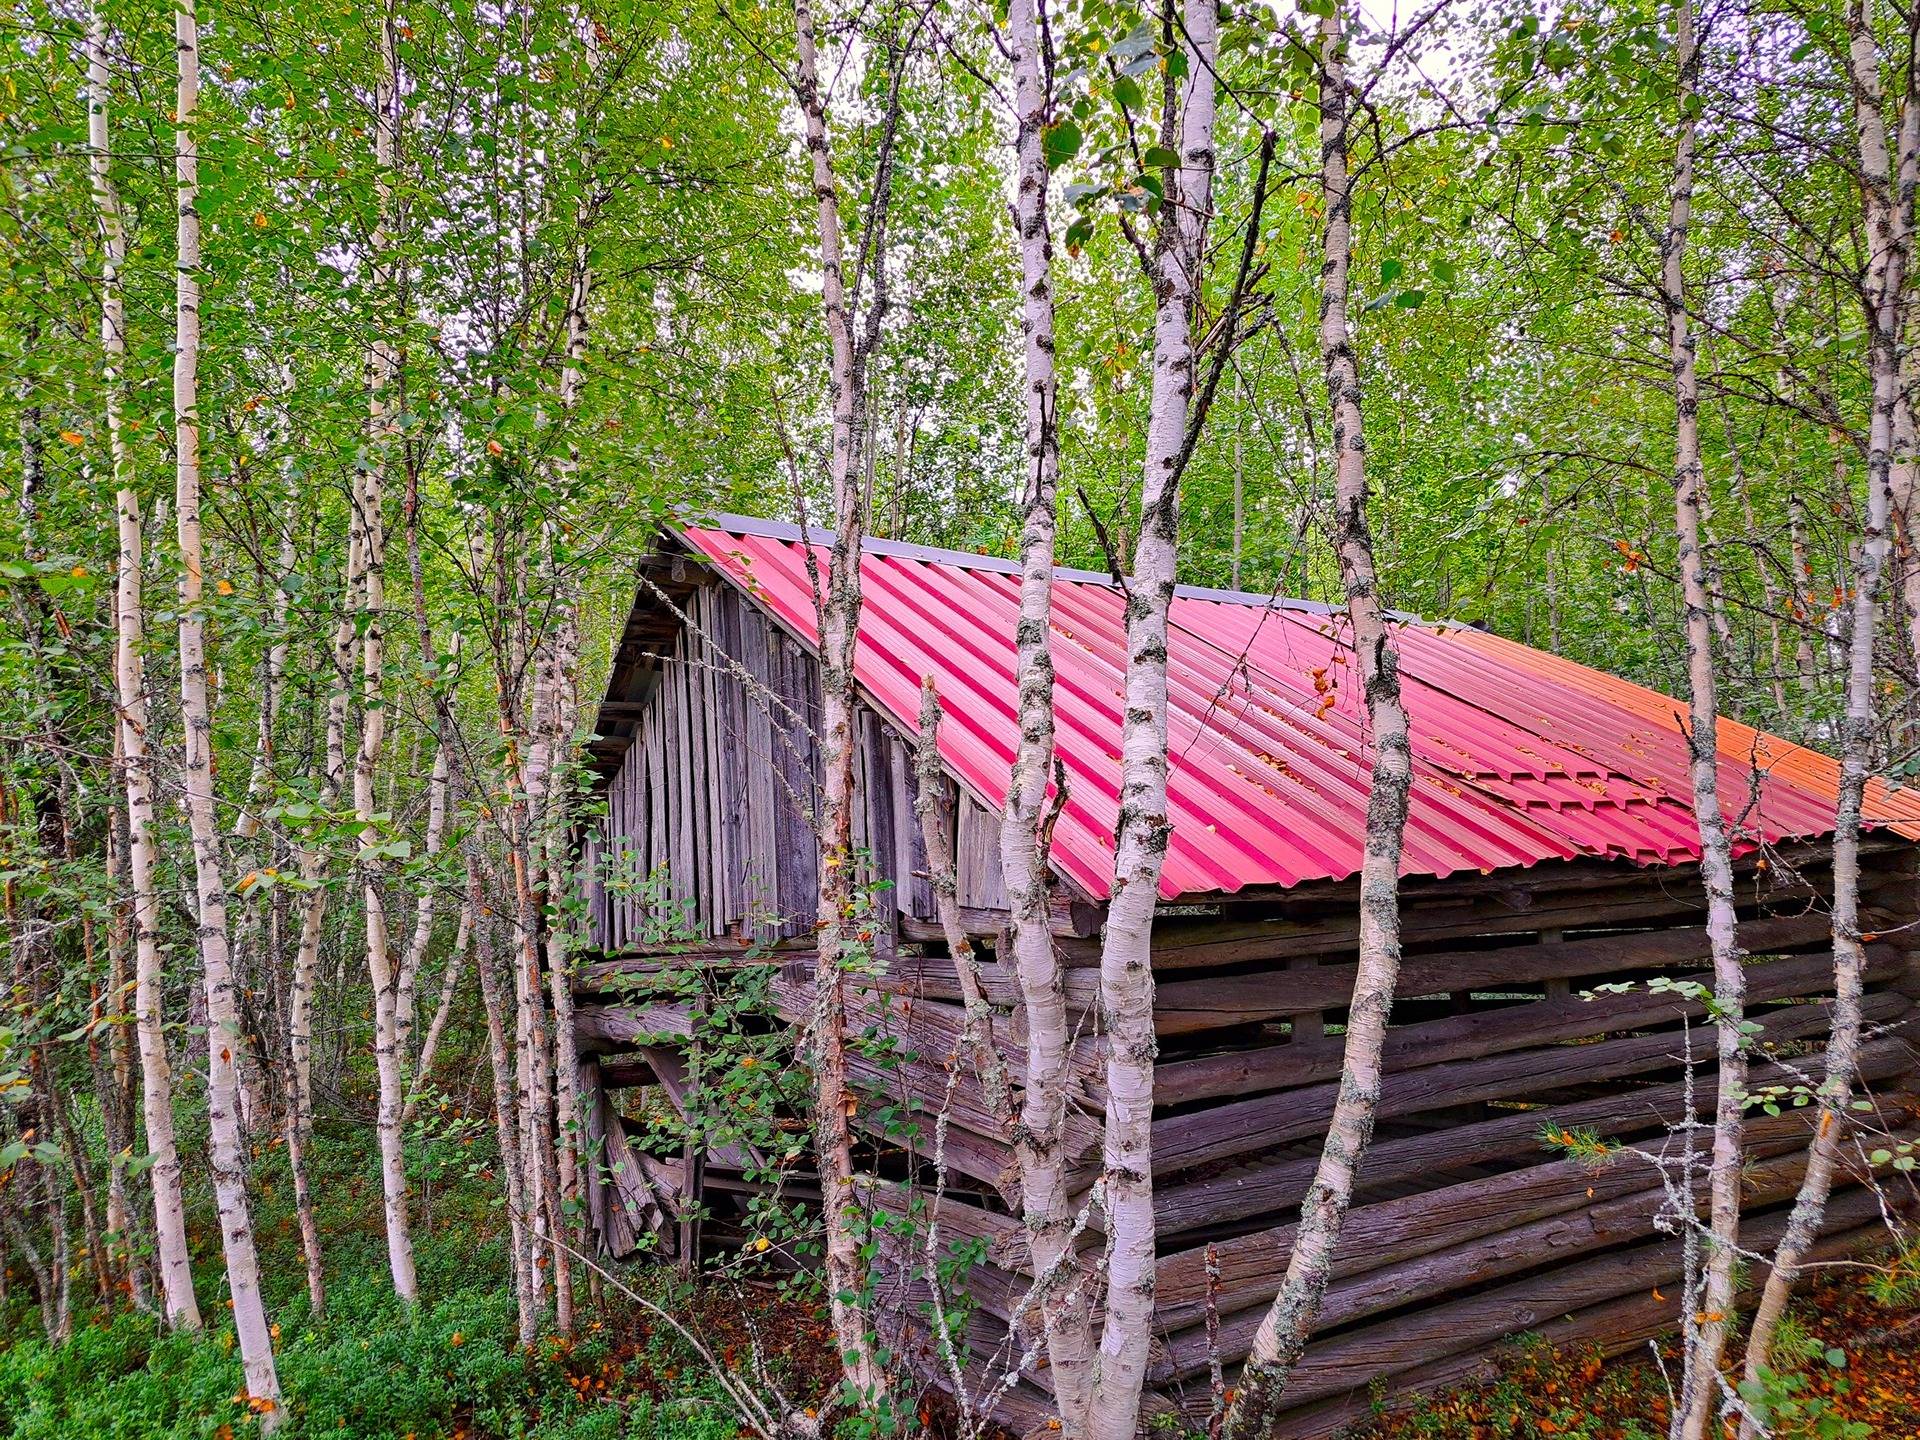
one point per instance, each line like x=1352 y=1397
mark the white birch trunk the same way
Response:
x=553 y=855
x=1284 y=1330
x=1888 y=226
x=408 y=981
x=370 y=520
x=839 y=625
x=303 y=982
x=1046 y=1206
x=172 y=1258
x=1142 y=830
x=1706 y=1315
x=225 y=1143
x=506 y=1109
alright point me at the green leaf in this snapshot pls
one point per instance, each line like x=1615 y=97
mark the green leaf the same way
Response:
x=1837 y=1358
x=1160 y=157
x=1060 y=143
x=1391 y=270
x=1410 y=299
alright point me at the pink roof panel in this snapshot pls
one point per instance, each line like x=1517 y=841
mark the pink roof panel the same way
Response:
x=1519 y=756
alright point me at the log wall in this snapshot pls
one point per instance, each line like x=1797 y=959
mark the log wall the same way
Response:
x=1467 y=1227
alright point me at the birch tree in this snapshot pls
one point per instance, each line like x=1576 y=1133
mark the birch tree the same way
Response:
x=1047 y=1206
x=173 y=1260
x=1283 y=1332
x=369 y=503
x=226 y=1142
x=1142 y=830
x=1704 y=1323
x=837 y=601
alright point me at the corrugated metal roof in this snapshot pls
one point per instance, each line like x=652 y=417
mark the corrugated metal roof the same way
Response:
x=1519 y=756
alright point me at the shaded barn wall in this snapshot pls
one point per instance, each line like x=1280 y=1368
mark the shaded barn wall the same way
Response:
x=717 y=779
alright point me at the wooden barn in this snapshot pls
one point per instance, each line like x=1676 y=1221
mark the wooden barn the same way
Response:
x=1551 y=849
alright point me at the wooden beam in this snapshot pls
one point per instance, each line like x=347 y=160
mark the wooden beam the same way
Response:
x=1182 y=1142
x=1458 y=1037
x=1275 y=1185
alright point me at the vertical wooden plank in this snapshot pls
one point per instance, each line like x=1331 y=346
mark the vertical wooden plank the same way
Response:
x=620 y=839
x=790 y=752
x=915 y=889
x=1308 y=1025
x=592 y=892
x=679 y=763
x=700 y=817
x=637 y=823
x=977 y=858
x=716 y=770
x=658 y=795
x=1558 y=988
x=735 y=758
x=695 y=764
x=877 y=802
x=761 y=895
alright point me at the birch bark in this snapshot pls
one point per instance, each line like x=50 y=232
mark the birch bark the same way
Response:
x=369 y=519
x=1705 y=1318
x=1283 y=1332
x=839 y=619
x=226 y=1145
x=506 y=1110
x=1142 y=829
x=1046 y=1205
x=172 y=1260
x=1889 y=195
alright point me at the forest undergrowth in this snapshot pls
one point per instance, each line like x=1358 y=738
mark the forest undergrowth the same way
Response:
x=452 y=1370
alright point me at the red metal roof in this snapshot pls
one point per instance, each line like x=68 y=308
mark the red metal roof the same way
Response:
x=1519 y=756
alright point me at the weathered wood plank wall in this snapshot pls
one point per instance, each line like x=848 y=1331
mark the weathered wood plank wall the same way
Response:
x=714 y=791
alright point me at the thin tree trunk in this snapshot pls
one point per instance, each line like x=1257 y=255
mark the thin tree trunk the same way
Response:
x=443 y=1010
x=1904 y=476
x=1704 y=1324
x=304 y=981
x=114 y=1076
x=1769 y=593
x=1889 y=192
x=256 y=1112
x=369 y=518
x=1804 y=659
x=173 y=1259
x=226 y=1144
x=936 y=816
x=408 y=980
x=1283 y=1332
x=1142 y=830
x=839 y=619
x=553 y=854
x=506 y=1110
x=1046 y=1205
